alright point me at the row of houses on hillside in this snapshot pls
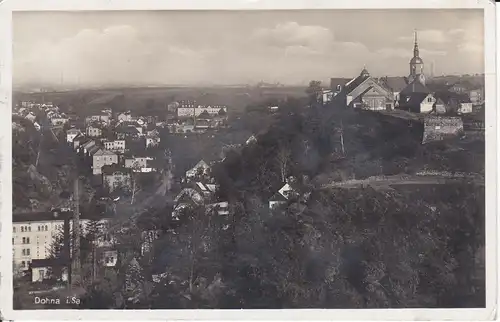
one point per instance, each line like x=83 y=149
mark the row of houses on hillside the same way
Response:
x=116 y=169
x=115 y=139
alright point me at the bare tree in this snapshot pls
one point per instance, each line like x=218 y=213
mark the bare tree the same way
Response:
x=283 y=158
x=136 y=167
x=342 y=137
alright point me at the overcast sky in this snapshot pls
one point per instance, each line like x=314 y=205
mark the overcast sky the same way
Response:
x=193 y=47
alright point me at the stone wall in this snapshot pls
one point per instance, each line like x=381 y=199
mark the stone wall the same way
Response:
x=441 y=127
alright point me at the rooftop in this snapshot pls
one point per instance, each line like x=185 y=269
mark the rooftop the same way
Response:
x=415 y=87
x=416 y=98
x=448 y=96
x=42 y=216
x=48 y=262
x=114 y=168
x=104 y=152
x=394 y=83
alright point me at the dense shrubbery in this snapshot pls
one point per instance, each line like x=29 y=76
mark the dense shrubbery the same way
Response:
x=410 y=248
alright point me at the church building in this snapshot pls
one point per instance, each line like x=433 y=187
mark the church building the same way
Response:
x=416 y=97
x=384 y=93
x=416 y=65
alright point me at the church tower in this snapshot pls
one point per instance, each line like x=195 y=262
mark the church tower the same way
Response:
x=416 y=65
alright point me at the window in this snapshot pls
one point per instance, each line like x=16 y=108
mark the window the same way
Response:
x=28 y=251
x=27 y=240
x=14 y=229
x=29 y=228
x=38 y=228
x=24 y=240
x=23 y=264
x=46 y=228
x=429 y=99
x=22 y=229
x=24 y=252
x=12 y=240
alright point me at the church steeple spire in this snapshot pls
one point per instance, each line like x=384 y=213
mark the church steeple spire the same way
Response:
x=415 y=47
x=416 y=63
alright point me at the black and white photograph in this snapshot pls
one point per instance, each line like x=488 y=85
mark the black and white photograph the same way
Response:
x=250 y=159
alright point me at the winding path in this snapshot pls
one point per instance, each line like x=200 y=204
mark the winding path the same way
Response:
x=418 y=179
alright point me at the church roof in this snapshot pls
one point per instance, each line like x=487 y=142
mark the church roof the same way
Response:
x=394 y=83
x=352 y=85
x=415 y=87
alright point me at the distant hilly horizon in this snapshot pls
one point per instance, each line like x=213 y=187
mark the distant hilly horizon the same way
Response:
x=69 y=87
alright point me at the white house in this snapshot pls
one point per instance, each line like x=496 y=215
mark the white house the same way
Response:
x=222 y=208
x=71 y=134
x=93 y=131
x=326 y=96
x=418 y=102
x=115 y=145
x=30 y=117
x=110 y=258
x=465 y=108
x=101 y=158
x=139 y=163
x=196 y=111
x=124 y=117
x=201 y=168
x=59 y=120
x=251 y=139
x=32 y=235
x=102 y=117
x=41 y=269
x=288 y=192
x=152 y=141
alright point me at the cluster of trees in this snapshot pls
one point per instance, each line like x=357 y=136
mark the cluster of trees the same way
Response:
x=399 y=249
x=41 y=166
